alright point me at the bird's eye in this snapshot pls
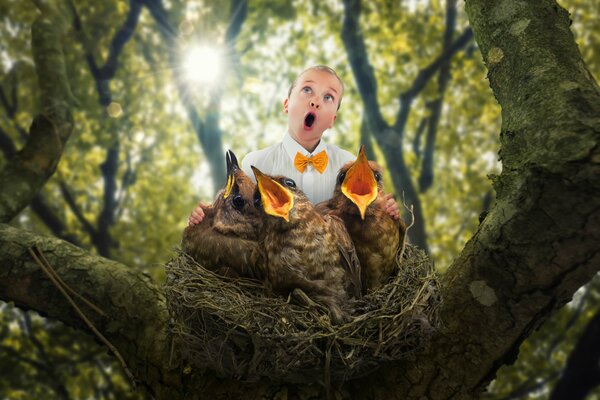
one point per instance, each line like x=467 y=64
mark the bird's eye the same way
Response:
x=257 y=199
x=340 y=178
x=238 y=202
x=377 y=176
x=289 y=182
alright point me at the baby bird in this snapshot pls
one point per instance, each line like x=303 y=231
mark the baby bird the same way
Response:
x=225 y=241
x=305 y=250
x=358 y=199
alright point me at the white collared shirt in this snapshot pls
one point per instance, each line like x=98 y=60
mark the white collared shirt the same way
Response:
x=279 y=160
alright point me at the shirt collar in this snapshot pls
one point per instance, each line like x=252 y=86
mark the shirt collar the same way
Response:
x=292 y=147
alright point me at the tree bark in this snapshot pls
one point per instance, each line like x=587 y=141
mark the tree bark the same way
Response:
x=25 y=174
x=527 y=258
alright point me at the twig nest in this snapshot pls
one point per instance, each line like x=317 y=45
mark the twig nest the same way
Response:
x=241 y=330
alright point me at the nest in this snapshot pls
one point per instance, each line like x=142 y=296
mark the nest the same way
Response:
x=242 y=331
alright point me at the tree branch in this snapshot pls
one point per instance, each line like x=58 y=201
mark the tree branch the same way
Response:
x=40 y=207
x=528 y=257
x=426 y=176
x=104 y=74
x=48 y=367
x=361 y=68
x=110 y=167
x=24 y=175
x=365 y=138
x=7 y=145
x=582 y=372
x=10 y=106
x=207 y=130
x=70 y=200
x=132 y=301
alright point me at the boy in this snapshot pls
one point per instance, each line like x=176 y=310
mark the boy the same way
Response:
x=312 y=103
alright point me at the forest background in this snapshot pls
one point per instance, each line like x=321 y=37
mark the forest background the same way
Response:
x=152 y=126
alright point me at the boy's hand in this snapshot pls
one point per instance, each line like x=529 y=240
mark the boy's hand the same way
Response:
x=391 y=207
x=197 y=215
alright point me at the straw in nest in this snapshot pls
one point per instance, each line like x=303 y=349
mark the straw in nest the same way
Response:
x=240 y=330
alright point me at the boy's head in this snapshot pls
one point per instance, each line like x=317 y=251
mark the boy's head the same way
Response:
x=323 y=68
x=312 y=103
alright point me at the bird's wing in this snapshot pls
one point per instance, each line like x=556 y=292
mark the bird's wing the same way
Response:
x=349 y=258
x=323 y=207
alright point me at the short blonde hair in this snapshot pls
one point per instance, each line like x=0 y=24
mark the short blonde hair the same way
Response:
x=323 y=68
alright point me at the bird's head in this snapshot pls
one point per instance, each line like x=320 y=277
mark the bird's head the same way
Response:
x=234 y=206
x=278 y=196
x=360 y=182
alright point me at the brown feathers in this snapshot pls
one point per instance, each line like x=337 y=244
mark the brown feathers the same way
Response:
x=225 y=241
x=359 y=201
x=305 y=250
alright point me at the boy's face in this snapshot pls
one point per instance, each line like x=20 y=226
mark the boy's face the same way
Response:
x=312 y=105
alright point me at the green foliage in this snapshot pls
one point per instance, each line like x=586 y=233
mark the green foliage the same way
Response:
x=163 y=172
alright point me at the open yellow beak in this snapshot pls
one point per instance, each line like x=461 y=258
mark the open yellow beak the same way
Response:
x=359 y=184
x=277 y=200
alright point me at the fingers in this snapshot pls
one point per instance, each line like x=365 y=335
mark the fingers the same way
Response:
x=391 y=207
x=197 y=214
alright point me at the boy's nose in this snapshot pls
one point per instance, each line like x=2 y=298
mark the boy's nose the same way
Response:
x=314 y=104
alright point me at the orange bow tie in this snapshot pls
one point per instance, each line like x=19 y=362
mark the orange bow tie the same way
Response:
x=319 y=161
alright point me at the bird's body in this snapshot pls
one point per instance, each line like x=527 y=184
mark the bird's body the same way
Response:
x=305 y=250
x=359 y=200
x=226 y=240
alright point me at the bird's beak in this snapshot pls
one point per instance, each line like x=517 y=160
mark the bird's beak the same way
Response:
x=232 y=166
x=359 y=184
x=276 y=199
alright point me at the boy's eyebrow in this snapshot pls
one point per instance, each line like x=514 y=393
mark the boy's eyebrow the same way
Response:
x=311 y=81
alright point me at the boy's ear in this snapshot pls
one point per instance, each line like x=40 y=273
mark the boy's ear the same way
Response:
x=332 y=121
x=285 y=105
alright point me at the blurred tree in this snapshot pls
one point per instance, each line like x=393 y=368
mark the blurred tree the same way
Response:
x=140 y=198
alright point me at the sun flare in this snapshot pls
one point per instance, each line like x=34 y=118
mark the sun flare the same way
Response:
x=202 y=64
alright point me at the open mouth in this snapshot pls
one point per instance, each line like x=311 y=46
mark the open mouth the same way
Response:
x=359 y=184
x=309 y=120
x=276 y=200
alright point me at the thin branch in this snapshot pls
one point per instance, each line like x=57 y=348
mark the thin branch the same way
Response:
x=105 y=73
x=364 y=74
x=7 y=145
x=582 y=371
x=529 y=386
x=49 y=367
x=38 y=256
x=70 y=200
x=416 y=144
x=365 y=138
x=424 y=76
x=426 y=176
x=11 y=106
x=106 y=219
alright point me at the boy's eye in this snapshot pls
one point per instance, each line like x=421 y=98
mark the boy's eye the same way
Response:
x=306 y=89
x=328 y=97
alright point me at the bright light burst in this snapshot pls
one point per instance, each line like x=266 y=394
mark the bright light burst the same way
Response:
x=202 y=64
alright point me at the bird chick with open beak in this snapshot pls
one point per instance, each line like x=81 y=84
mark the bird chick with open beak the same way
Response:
x=226 y=240
x=359 y=200
x=305 y=250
